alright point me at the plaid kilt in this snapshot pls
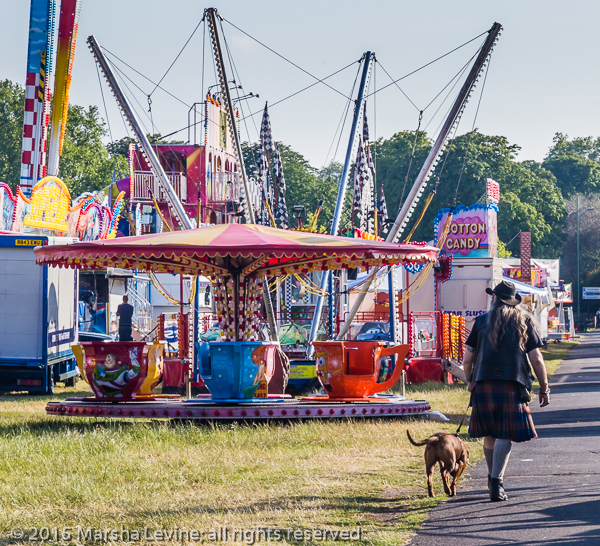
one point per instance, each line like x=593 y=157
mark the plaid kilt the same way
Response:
x=499 y=413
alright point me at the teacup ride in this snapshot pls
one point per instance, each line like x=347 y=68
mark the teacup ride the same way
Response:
x=238 y=258
x=120 y=369
x=355 y=370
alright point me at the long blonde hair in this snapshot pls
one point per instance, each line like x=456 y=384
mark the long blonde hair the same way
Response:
x=502 y=318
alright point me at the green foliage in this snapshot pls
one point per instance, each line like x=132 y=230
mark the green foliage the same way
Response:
x=530 y=198
x=393 y=161
x=12 y=99
x=574 y=174
x=120 y=147
x=305 y=185
x=588 y=147
x=85 y=164
x=589 y=242
x=575 y=164
x=503 y=252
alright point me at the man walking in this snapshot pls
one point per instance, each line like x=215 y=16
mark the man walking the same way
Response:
x=125 y=312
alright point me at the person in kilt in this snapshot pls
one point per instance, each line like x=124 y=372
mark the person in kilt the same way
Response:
x=499 y=349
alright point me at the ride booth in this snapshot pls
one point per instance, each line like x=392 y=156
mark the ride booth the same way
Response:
x=443 y=311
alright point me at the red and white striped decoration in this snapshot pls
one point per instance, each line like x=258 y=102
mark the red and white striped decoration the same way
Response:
x=493 y=191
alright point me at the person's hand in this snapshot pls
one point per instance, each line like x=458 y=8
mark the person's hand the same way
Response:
x=470 y=386
x=544 y=399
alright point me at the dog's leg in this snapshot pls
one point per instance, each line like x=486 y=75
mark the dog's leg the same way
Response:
x=429 y=469
x=461 y=468
x=445 y=479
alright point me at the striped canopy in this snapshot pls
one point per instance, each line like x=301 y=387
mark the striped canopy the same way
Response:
x=233 y=249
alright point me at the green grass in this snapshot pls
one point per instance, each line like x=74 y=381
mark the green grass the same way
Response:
x=106 y=473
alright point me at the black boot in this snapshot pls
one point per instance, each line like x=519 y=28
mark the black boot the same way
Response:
x=489 y=480
x=497 y=492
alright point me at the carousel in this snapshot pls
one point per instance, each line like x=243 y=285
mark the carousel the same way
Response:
x=246 y=377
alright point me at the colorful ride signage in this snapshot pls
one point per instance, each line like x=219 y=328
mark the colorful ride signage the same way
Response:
x=50 y=204
x=473 y=231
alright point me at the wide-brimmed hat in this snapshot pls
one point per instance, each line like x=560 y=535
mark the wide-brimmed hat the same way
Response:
x=506 y=292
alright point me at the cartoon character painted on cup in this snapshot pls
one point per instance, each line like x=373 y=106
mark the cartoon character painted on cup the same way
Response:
x=112 y=376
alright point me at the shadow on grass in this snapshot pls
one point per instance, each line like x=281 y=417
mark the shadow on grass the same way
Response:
x=45 y=425
x=26 y=398
x=355 y=506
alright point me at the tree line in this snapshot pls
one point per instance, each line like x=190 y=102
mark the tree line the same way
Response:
x=539 y=197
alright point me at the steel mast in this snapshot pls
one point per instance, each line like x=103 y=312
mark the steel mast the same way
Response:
x=431 y=161
x=368 y=59
x=170 y=196
x=211 y=14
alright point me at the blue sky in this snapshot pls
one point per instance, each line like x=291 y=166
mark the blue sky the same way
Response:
x=543 y=77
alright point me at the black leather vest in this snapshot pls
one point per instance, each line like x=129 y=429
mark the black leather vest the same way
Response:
x=507 y=363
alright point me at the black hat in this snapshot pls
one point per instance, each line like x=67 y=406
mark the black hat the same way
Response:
x=505 y=291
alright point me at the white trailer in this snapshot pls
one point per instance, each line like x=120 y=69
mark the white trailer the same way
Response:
x=38 y=317
x=464 y=294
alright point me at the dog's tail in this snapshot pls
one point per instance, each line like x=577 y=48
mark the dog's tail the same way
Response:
x=422 y=442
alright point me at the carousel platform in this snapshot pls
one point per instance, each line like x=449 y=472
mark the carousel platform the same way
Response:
x=252 y=410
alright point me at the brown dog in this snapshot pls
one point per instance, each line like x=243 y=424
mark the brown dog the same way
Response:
x=448 y=450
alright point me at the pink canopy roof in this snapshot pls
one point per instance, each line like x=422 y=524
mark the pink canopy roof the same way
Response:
x=234 y=248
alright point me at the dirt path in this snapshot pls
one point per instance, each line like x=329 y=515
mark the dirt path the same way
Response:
x=553 y=482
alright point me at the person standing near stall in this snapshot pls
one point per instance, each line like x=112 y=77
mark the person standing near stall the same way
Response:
x=125 y=313
x=499 y=349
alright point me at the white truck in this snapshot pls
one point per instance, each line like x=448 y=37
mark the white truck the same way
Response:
x=38 y=317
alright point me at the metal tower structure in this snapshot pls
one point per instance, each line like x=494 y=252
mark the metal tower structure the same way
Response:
x=170 y=195
x=368 y=60
x=433 y=158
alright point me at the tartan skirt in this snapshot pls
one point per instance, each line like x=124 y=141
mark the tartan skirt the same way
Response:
x=498 y=412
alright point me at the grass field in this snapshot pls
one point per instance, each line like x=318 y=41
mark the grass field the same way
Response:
x=111 y=474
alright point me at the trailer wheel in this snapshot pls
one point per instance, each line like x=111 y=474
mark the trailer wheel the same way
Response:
x=71 y=381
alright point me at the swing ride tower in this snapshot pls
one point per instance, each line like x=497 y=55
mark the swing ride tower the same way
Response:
x=418 y=188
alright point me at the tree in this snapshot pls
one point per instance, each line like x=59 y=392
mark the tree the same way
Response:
x=530 y=198
x=12 y=99
x=575 y=164
x=120 y=147
x=85 y=164
x=589 y=242
x=394 y=157
x=305 y=185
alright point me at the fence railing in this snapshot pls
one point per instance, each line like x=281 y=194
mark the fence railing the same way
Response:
x=137 y=292
x=223 y=186
x=144 y=183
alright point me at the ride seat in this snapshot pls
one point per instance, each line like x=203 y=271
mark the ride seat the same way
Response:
x=359 y=358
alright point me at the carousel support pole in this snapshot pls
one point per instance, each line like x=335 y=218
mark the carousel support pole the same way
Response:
x=393 y=316
x=270 y=313
x=196 y=353
x=392 y=305
x=278 y=303
x=330 y=303
x=181 y=341
x=236 y=306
